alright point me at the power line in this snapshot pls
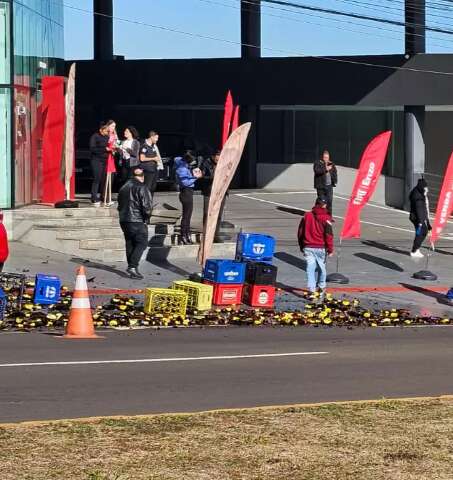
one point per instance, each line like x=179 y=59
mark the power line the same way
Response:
x=233 y=42
x=237 y=7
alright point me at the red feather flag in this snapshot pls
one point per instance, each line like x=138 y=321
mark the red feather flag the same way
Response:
x=227 y=116
x=235 y=123
x=365 y=183
x=445 y=202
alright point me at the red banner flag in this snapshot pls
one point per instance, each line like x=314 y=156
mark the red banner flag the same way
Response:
x=365 y=183
x=235 y=123
x=227 y=116
x=445 y=202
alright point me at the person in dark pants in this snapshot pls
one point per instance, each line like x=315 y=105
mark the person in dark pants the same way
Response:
x=186 y=179
x=150 y=160
x=99 y=153
x=208 y=167
x=129 y=153
x=419 y=216
x=135 y=208
x=326 y=178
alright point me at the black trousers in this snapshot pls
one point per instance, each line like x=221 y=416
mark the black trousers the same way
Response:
x=420 y=238
x=328 y=193
x=99 y=170
x=205 y=213
x=136 y=237
x=151 y=174
x=186 y=199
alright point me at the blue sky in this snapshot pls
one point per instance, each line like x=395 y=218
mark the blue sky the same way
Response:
x=285 y=31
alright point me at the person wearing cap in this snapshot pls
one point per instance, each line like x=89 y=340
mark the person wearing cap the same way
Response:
x=419 y=215
x=326 y=178
x=135 y=209
x=315 y=237
x=208 y=168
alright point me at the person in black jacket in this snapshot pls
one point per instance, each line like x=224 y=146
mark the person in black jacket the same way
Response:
x=99 y=153
x=135 y=209
x=326 y=177
x=208 y=168
x=419 y=215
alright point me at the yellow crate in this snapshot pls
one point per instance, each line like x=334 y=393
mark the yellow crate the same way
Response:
x=166 y=301
x=199 y=294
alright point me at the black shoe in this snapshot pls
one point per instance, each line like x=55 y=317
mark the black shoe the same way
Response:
x=188 y=240
x=218 y=240
x=182 y=241
x=135 y=274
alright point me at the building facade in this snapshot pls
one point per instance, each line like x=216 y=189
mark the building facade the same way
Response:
x=31 y=47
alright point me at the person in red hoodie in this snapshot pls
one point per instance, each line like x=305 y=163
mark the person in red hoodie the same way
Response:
x=315 y=237
x=4 y=250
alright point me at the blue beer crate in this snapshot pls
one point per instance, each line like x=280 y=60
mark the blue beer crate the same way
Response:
x=47 y=289
x=224 y=271
x=3 y=303
x=255 y=246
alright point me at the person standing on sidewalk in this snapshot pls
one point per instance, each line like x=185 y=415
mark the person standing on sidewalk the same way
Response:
x=326 y=178
x=186 y=178
x=208 y=168
x=135 y=209
x=315 y=237
x=419 y=216
x=150 y=160
x=99 y=150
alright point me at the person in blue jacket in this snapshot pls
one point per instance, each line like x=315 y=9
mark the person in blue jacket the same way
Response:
x=186 y=176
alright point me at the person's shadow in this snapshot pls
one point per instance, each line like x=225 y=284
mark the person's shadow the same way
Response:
x=99 y=266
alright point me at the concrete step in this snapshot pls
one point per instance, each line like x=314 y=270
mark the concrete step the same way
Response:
x=219 y=250
x=58 y=213
x=57 y=224
x=69 y=233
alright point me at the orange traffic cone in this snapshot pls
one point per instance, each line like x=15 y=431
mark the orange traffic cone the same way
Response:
x=80 y=323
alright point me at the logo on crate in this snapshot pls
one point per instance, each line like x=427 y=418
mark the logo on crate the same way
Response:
x=229 y=294
x=231 y=275
x=263 y=298
x=258 y=248
x=50 y=292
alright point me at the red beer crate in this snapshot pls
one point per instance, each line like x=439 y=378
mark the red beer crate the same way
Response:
x=262 y=296
x=226 y=293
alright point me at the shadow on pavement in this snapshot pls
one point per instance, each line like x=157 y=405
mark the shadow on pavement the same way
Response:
x=290 y=290
x=293 y=211
x=440 y=297
x=99 y=266
x=379 y=261
x=382 y=246
x=291 y=260
x=166 y=265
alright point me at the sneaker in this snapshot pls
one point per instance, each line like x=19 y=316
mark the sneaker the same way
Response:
x=322 y=294
x=96 y=204
x=135 y=274
x=417 y=254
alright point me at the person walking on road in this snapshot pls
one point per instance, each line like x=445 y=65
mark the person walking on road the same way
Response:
x=419 y=216
x=99 y=151
x=186 y=178
x=315 y=237
x=135 y=209
x=326 y=178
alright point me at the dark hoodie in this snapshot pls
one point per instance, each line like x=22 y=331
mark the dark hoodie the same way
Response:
x=315 y=230
x=419 y=211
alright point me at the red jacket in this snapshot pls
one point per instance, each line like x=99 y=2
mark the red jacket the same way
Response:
x=4 y=250
x=315 y=230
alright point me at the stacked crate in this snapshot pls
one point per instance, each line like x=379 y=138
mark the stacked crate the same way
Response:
x=257 y=251
x=199 y=296
x=227 y=279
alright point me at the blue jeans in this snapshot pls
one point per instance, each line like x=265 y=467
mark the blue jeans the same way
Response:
x=315 y=258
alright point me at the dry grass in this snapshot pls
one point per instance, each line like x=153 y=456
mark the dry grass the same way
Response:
x=388 y=440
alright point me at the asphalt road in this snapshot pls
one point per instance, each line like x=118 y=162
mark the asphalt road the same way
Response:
x=149 y=378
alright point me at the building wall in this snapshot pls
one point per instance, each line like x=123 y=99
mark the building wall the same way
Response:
x=31 y=46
